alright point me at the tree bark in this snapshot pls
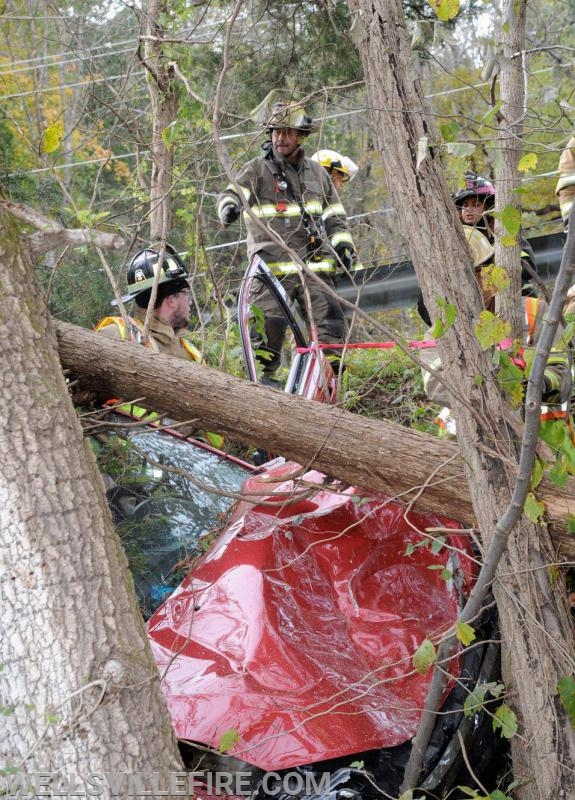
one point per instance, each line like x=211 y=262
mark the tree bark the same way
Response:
x=79 y=688
x=164 y=104
x=355 y=449
x=528 y=600
x=510 y=131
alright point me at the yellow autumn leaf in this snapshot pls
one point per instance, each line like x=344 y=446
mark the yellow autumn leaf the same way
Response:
x=464 y=632
x=53 y=136
x=527 y=162
x=445 y=9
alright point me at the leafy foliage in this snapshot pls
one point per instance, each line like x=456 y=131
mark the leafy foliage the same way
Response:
x=505 y=721
x=424 y=657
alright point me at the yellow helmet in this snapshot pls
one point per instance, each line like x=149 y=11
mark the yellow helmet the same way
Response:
x=479 y=245
x=335 y=161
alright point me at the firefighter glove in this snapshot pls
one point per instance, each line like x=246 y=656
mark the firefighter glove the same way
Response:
x=229 y=214
x=345 y=254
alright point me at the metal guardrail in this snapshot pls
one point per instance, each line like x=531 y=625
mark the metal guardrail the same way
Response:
x=395 y=285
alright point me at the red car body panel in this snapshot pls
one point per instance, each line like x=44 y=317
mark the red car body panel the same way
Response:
x=297 y=629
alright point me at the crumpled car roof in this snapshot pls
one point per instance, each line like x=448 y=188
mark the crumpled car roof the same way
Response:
x=293 y=637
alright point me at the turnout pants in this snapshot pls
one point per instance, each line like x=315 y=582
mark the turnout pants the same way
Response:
x=326 y=318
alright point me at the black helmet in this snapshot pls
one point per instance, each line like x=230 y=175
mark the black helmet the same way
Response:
x=475 y=186
x=142 y=272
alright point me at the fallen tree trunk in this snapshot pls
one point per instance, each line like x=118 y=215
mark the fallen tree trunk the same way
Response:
x=374 y=454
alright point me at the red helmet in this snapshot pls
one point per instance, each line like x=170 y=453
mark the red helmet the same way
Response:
x=475 y=186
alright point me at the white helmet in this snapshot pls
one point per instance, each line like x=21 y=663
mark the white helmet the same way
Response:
x=479 y=245
x=335 y=161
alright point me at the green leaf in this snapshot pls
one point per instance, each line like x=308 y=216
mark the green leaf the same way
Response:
x=497 y=794
x=490 y=330
x=460 y=149
x=450 y=131
x=464 y=632
x=511 y=378
x=169 y=134
x=527 y=162
x=424 y=657
x=437 y=545
x=449 y=314
x=445 y=9
x=410 y=549
x=89 y=219
x=505 y=720
x=53 y=136
x=438 y=329
x=510 y=218
x=357 y=764
x=446 y=320
x=537 y=474
x=446 y=574
x=566 y=687
x=559 y=473
x=571 y=523
x=552 y=434
x=534 y=510
x=228 y=740
x=494 y=278
x=474 y=701
x=492 y=111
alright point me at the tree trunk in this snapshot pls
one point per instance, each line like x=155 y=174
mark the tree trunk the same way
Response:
x=355 y=449
x=79 y=688
x=527 y=597
x=164 y=103
x=510 y=131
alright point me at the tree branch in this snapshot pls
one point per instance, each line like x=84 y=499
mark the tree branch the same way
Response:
x=51 y=234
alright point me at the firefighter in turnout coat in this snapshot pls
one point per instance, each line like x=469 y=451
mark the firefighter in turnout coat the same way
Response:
x=297 y=208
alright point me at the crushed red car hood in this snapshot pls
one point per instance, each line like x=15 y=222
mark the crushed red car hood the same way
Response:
x=297 y=629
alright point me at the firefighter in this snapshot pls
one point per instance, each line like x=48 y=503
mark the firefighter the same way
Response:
x=475 y=203
x=169 y=333
x=296 y=208
x=340 y=169
x=557 y=378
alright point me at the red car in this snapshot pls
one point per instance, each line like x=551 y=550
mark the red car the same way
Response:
x=290 y=653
